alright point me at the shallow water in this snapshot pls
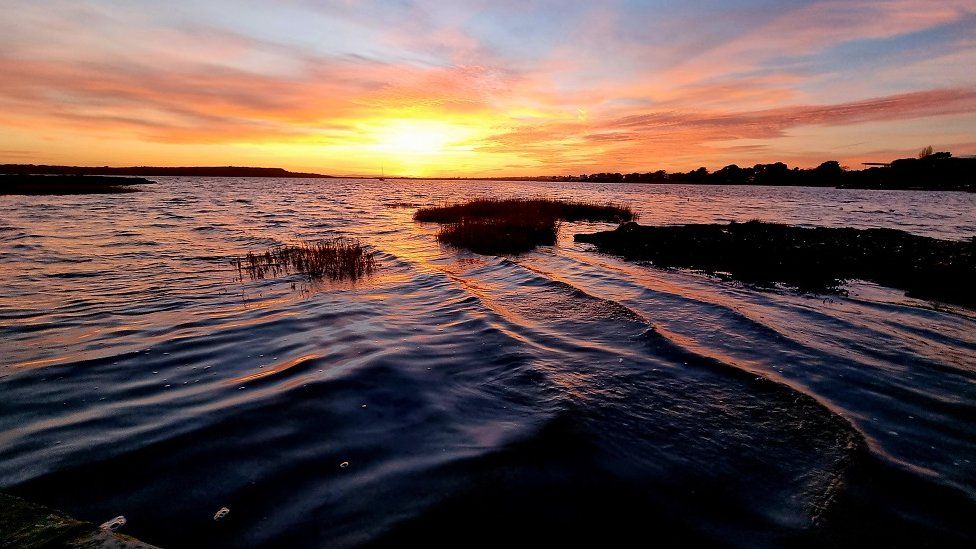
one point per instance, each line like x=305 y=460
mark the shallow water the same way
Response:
x=561 y=395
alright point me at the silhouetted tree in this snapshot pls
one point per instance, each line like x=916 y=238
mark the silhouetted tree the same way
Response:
x=732 y=175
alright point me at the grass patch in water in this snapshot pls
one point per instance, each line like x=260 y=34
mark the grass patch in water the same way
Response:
x=492 y=236
x=333 y=259
x=512 y=226
x=812 y=259
x=535 y=208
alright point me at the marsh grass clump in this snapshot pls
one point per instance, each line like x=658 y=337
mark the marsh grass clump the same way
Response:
x=493 y=226
x=500 y=235
x=334 y=259
x=534 y=208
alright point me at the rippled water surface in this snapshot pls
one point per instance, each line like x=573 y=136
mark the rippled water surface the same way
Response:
x=451 y=398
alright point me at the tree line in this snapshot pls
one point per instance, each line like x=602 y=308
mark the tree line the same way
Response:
x=930 y=170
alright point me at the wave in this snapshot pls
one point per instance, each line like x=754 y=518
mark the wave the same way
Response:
x=555 y=397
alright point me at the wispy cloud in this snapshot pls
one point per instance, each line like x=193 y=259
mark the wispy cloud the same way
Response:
x=541 y=86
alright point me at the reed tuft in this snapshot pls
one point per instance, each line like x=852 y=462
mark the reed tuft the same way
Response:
x=333 y=259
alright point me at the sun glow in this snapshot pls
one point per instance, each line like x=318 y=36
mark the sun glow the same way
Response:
x=420 y=137
x=428 y=144
x=419 y=146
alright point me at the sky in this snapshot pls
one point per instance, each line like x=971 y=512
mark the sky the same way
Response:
x=484 y=87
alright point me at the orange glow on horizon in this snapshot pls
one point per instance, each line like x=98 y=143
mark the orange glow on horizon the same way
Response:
x=443 y=93
x=417 y=147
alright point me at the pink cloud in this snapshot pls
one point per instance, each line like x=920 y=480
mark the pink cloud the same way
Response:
x=650 y=138
x=598 y=97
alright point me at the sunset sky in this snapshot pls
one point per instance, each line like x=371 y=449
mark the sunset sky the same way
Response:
x=484 y=88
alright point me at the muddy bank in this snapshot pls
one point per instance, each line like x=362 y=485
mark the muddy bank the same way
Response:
x=817 y=259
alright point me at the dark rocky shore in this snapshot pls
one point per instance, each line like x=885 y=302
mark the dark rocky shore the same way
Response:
x=26 y=524
x=67 y=184
x=810 y=259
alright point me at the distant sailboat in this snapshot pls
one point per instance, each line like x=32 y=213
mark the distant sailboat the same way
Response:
x=382 y=174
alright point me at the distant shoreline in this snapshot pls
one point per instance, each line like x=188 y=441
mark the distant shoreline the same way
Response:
x=46 y=185
x=155 y=171
x=938 y=171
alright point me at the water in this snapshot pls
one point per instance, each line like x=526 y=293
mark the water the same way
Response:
x=561 y=395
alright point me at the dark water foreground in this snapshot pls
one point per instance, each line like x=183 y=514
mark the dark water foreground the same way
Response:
x=561 y=396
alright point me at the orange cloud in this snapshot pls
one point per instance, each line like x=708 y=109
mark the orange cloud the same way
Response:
x=598 y=95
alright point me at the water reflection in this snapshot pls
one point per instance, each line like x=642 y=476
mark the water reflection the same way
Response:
x=490 y=383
